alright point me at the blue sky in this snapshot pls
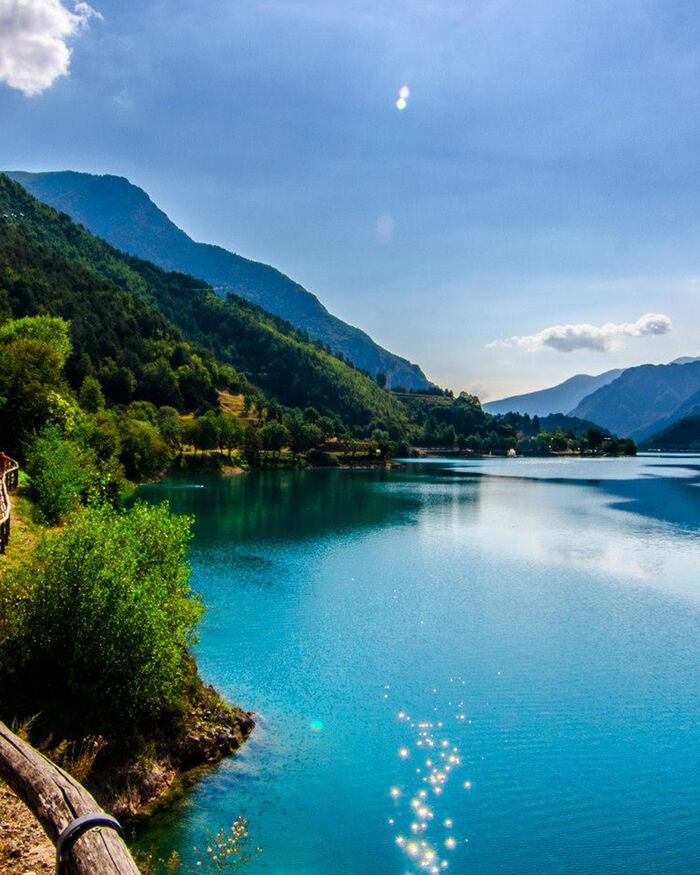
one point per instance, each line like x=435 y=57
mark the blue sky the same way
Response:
x=544 y=172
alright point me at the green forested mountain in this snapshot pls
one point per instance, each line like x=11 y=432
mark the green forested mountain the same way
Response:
x=123 y=215
x=681 y=437
x=129 y=320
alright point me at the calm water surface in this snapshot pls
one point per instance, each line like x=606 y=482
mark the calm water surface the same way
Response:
x=488 y=663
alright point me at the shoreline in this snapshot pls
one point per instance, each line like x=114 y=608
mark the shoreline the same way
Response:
x=133 y=788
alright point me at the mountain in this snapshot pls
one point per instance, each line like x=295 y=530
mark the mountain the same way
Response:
x=127 y=317
x=558 y=399
x=124 y=215
x=680 y=437
x=690 y=407
x=685 y=360
x=640 y=398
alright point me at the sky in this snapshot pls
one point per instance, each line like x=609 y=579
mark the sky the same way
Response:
x=505 y=191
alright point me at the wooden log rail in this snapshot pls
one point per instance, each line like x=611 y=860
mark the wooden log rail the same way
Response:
x=8 y=481
x=57 y=800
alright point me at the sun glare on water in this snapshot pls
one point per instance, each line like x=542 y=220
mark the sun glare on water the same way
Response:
x=428 y=838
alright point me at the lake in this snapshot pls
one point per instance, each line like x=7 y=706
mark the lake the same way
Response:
x=472 y=666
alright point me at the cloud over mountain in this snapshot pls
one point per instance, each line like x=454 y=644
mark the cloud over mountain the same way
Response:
x=33 y=41
x=600 y=338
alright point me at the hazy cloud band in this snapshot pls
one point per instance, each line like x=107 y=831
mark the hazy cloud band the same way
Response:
x=601 y=338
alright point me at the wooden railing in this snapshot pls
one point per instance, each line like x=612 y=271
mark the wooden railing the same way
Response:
x=88 y=840
x=8 y=480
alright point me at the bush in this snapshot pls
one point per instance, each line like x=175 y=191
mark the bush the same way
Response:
x=96 y=637
x=58 y=477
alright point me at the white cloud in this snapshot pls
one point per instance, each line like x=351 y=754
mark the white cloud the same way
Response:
x=33 y=35
x=602 y=338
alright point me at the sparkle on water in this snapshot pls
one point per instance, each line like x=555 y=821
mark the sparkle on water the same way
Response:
x=478 y=667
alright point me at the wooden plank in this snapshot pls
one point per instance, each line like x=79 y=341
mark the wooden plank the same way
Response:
x=56 y=799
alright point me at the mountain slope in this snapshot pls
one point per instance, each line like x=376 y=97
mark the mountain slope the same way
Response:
x=123 y=215
x=635 y=402
x=122 y=308
x=557 y=399
x=690 y=407
x=681 y=437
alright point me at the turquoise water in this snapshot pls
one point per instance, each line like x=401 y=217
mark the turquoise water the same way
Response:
x=521 y=636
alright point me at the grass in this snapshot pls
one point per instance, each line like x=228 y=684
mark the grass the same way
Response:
x=25 y=532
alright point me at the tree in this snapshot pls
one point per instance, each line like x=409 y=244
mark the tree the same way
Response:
x=381 y=438
x=230 y=432
x=102 y=435
x=91 y=398
x=381 y=379
x=274 y=436
x=594 y=438
x=170 y=426
x=50 y=330
x=160 y=385
x=118 y=381
x=143 y=451
x=251 y=446
x=194 y=381
x=33 y=352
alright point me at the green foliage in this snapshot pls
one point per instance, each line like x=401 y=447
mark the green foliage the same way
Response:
x=274 y=436
x=91 y=398
x=56 y=467
x=170 y=426
x=160 y=385
x=230 y=432
x=251 y=446
x=143 y=451
x=47 y=329
x=33 y=352
x=97 y=633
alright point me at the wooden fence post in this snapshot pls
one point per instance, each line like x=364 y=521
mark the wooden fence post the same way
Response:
x=56 y=800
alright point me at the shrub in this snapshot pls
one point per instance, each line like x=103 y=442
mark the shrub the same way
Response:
x=58 y=477
x=97 y=635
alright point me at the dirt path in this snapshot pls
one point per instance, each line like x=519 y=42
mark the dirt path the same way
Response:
x=24 y=847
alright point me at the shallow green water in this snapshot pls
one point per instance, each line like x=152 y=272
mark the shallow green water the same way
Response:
x=537 y=621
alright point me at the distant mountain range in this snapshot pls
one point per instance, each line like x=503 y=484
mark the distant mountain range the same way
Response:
x=124 y=215
x=642 y=400
x=557 y=399
x=635 y=402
